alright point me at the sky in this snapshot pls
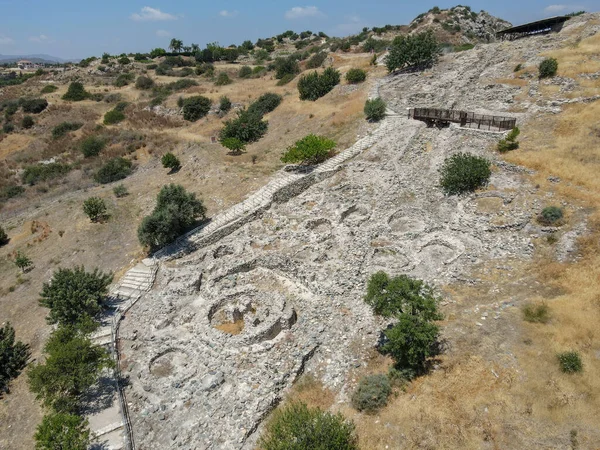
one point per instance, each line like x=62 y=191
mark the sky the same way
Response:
x=78 y=29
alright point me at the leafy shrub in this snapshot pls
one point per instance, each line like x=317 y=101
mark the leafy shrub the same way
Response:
x=224 y=104
x=144 y=83
x=3 y=238
x=265 y=104
x=120 y=191
x=175 y=212
x=112 y=98
x=124 y=79
x=13 y=356
x=463 y=173
x=35 y=105
x=170 y=161
x=550 y=215
x=375 y=109
x=114 y=170
x=222 y=79
x=113 y=116
x=356 y=76
x=11 y=191
x=245 y=72
x=413 y=50
x=285 y=79
x=123 y=60
x=310 y=149
x=234 y=144
x=372 y=393
x=548 y=68
x=92 y=146
x=62 y=431
x=296 y=427
x=76 y=92
x=196 y=107
x=27 y=122
x=314 y=86
x=246 y=127
x=539 y=313
x=286 y=66
x=510 y=142
x=570 y=362
x=316 y=60
x=94 y=208
x=22 y=261
x=121 y=106
x=49 y=89
x=63 y=128
x=518 y=67
x=43 y=172
x=8 y=127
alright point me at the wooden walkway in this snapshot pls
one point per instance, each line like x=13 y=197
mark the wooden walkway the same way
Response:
x=443 y=117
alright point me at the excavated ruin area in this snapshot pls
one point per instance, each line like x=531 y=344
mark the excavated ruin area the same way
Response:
x=227 y=329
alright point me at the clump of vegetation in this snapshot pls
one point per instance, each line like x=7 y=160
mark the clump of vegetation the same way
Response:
x=23 y=262
x=196 y=107
x=316 y=60
x=114 y=170
x=297 y=427
x=3 y=236
x=539 y=313
x=76 y=92
x=13 y=356
x=144 y=83
x=222 y=79
x=372 y=393
x=247 y=127
x=49 y=89
x=285 y=79
x=314 y=85
x=463 y=173
x=170 y=161
x=113 y=116
x=310 y=150
x=245 y=72
x=551 y=215
x=234 y=145
x=510 y=142
x=124 y=79
x=417 y=50
x=548 y=68
x=120 y=191
x=27 y=122
x=35 y=105
x=92 y=146
x=375 y=109
x=44 y=172
x=286 y=67
x=8 y=127
x=57 y=430
x=10 y=191
x=94 y=208
x=355 y=76
x=570 y=362
x=224 y=104
x=63 y=128
x=175 y=212
x=265 y=104
x=518 y=68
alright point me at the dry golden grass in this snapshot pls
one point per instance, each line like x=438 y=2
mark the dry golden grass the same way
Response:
x=581 y=57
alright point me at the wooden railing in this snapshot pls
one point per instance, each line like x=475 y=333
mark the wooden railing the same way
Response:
x=440 y=117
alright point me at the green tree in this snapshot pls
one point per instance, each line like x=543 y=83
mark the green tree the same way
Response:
x=76 y=92
x=157 y=52
x=314 y=85
x=27 y=122
x=13 y=356
x=3 y=236
x=548 y=68
x=310 y=149
x=94 y=208
x=234 y=144
x=463 y=173
x=413 y=50
x=196 y=107
x=22 y=261
x=176 y=45
x=170 y=161
x=74 y=296
x=114 y=170
x=247 y=127
x=62 y=432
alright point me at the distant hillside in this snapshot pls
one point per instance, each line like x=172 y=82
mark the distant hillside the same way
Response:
x=39 y=58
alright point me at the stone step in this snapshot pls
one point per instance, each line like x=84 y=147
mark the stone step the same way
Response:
x=102 y=340
x=107 y=429
x=134 y=286
x=138 y=277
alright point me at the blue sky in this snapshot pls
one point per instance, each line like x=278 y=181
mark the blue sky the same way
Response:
x=77 y=29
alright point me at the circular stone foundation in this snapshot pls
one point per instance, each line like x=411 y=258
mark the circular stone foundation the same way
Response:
x=172 y=364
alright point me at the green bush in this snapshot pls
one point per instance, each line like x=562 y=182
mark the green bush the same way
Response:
x=92 y=146
x=196 y=107
x=285 y=79
x=463 y=173
x=170 y=161
x=49 y=89
x=44 y=172
x=113 y=116
x=74 y=296
x=314 y=86
x=265 y=104
x=246 y=127
x=539 y=313
x=120 y=191
x=27 y=122
x=548 y=68
x=13 y=356
x=144 y=83
x=372 y=393
x=296 y=427
x=222 y=79
x=123 y=60
x=316 y=60
x=375 y=109
x=413 y=50
x=310 y=149
x=510 y=142
x=121 y=106
x=114 y=170
x=224 y=104
x=124 y=79
x=245 y=72
x=10 y=191
x=570 y=362
x=8 y=127
x=175 y=212
x=518 y=68
x=3 y=236
x=62 y=431
x=234 y=144
x=94 y=208
x=22 y=261
x=550 y=215
x=356 y=76
x=35 y=105
x=63 y=128
x=286 y=66
x=76 y=92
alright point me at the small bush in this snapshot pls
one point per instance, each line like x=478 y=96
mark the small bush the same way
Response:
x=285 y=79
x=375 y=109
x=170 y=161
x=114 y=170
x=22 y=261
x=121 y=106
x=550 y=215
x=27 y=122
x=92 y=146
x=3 y=236
x=372 y=393
x=297 y=427
x=76 y=92
x=124 y=60
x=49 y=89
x=286 y=66
x=234 y=144
x=113 y=116
x=245 y=72
x=144 y=83
x=463 y=173
x=222 y=79
x=34 y=106
x=14 y=356
x=570 y=362
x=246 y=127
x=314 y=86
x=224 y=104
x=63 y=128
x=196 y=107
x=124 y=79
x=120 y=191
x=518 y=68
x=10 y=191
x=94 y=208
x=57 y=430
x=309 y=150
x=8 y=127
x=536 y=313
x=356 y=76
x=44 y=172
x=265 y=104
x=316 y=60
x=504 y=145
x=548 y=68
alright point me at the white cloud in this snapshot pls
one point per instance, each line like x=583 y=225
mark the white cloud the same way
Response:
x=301 y=12
x=4 y=40
x=41 y=39
x=148 y=14
x=351 y=25
x=163 y=33
x=561 y=8
x=226 y=13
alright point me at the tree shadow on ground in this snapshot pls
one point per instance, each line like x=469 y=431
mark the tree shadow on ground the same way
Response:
x=100 y=396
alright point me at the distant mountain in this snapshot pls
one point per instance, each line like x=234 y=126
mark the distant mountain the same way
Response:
x=39 y=58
